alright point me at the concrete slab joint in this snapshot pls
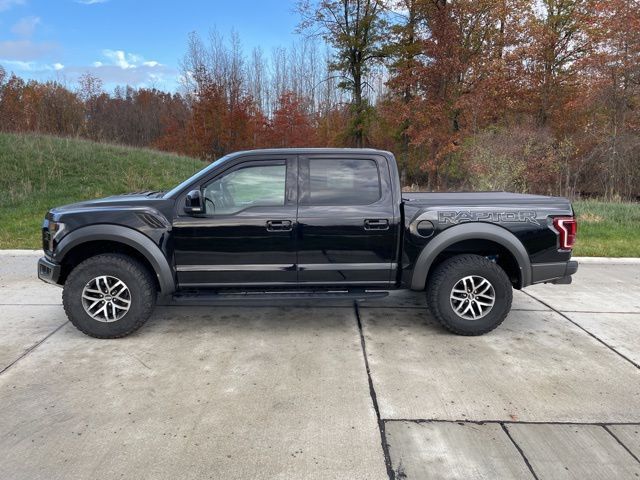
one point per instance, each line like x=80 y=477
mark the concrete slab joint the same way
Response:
x=376 y=390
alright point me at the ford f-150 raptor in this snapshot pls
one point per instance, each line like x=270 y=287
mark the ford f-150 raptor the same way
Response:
x=287 y=224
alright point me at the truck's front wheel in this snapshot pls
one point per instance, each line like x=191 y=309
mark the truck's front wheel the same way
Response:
x=109 y=296
x=469 y=295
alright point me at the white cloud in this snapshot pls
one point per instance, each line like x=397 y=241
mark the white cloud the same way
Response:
x=19 y=65
x=137 y=77
x=26 y=26
x=115 y=67
x=25 y=50
x=118 y=67
x=91 y=2
x=7 y=4
x=33 y=67
x=118 y=57
x=126 y=61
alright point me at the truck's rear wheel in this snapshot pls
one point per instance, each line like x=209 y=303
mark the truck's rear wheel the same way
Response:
x=109 y=296
x=469 y=295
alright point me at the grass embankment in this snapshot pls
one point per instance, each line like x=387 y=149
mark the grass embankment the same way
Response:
x=38 y=172
x=607 y=229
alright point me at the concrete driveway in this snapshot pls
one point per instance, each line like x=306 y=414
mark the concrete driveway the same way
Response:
x=371 y=391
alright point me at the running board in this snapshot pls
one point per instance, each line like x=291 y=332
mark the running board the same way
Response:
x=282 y=297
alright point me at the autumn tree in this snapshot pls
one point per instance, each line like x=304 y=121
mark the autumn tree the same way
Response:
x=224 y=116
x=355 y=30
x=89 y=90
x=33 y=106
x=292 y=125
x=12 y=115
x=449 y=75
x=58 y=111
x=404 y=47
x=610 y=98
x=559 y=33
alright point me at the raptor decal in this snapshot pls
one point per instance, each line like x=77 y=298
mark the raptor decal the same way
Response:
x=497 y=216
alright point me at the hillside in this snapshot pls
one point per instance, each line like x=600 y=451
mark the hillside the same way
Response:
x=38 y=172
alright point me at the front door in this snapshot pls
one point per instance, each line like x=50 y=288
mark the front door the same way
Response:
x=347 y=222
x=247 y=235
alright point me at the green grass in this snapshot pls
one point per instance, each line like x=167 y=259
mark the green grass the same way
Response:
x=38 y=172
x=607 y=229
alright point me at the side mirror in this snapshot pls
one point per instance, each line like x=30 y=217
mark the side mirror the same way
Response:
x=193 y=202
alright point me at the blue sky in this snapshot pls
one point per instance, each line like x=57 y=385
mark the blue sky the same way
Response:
x=136 y=42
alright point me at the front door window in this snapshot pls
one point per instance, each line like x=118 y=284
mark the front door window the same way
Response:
x=252 y=186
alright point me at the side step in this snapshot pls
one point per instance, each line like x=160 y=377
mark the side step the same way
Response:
x=291 y=298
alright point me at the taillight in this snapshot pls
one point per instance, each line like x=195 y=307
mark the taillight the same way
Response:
x=567 y=228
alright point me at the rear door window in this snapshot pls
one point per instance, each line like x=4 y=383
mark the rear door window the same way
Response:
x=343 y=182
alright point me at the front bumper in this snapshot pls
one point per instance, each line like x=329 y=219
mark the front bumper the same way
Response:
x=557 y=272
x=48 y=271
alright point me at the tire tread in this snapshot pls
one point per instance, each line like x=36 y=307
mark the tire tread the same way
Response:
x=441 y=273
x=144 y=280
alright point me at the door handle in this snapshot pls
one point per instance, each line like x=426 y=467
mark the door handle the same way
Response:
x=376 y=224
x=279 y=225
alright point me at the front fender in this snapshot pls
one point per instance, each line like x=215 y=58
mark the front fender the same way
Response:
x=470 y=231
x=116 y=233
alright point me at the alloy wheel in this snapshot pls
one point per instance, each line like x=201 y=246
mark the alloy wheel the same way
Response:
x=106 y=298
x=472 y=297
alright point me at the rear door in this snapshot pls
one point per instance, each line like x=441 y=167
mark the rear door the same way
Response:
x=346 y=226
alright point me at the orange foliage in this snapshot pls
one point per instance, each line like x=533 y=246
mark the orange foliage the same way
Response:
x=291 y=125
x=542 y=96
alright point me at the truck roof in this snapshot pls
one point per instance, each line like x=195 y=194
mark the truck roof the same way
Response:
x=308 y=150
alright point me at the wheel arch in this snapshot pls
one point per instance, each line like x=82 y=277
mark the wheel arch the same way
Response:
x=469 y=232
x=99 y=239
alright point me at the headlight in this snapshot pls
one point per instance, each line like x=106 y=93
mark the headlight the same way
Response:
x=51 y=234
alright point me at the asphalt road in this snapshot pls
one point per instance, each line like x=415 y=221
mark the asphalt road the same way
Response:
x=372 y=391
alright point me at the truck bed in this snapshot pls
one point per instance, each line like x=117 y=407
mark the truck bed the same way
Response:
x=479 y=199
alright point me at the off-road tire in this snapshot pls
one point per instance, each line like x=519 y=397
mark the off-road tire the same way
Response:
x=136 y=277
x=448 y=273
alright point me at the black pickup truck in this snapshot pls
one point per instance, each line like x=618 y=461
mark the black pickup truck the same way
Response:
x=293 y=224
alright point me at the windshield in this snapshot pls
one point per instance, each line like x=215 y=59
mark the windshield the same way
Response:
x=193 y=178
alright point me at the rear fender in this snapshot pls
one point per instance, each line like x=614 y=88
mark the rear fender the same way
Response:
x=470 y=231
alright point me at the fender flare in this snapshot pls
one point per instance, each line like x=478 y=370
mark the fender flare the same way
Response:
x=132 y=238
x=470 y=231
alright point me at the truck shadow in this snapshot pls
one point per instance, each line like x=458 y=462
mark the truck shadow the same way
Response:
x=284 y=319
